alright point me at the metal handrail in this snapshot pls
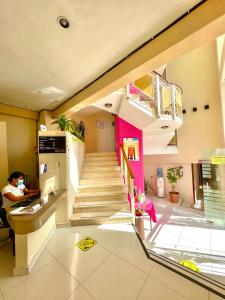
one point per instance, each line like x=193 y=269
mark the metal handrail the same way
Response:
x=128 y=176
x=166 y=97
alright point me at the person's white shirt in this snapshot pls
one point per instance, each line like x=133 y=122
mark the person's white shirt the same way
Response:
x=15 y=190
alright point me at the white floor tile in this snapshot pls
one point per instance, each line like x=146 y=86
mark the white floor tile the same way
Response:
x=81 y=263
x=218 y=242
x=44 y=259
x=181 y=285
x=165 y=235
x=195 y=239
x=111 y=238
x=80 y=294
x=62 y=241
x=7 y=263
x=154 y=289
x=115 y=279
x=50 y=283
x=132 y=251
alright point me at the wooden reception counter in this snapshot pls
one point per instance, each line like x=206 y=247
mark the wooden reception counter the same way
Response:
x=32 y=231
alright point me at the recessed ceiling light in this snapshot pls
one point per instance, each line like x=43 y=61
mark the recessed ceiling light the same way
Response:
x=165 y=127
x=108 y=105
x=63 y=21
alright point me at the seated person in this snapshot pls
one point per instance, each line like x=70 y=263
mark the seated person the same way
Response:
x=16 y=190
x=13 y=192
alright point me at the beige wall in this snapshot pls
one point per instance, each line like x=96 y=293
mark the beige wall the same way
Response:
x=3 y=155
x=196 y=73
x=21 y=140
x=97 y=140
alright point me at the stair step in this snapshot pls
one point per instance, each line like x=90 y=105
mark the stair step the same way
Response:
x=100 y=218
x=98 y=169
x=98 y=154
x=109 y=175
x=103 y=189
x=100 y=163
x=108 y=190
x=101 y=206
x=101 y=186
x=110 y=196
x=93 y=182
x=100 y=158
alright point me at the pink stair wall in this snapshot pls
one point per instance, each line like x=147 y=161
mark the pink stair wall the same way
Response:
x=124 y=129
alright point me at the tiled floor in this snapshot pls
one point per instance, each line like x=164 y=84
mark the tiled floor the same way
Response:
x=184 y=234
x=115 y=268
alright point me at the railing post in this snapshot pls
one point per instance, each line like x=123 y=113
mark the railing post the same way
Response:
x=122 y=164
x=173 y=101
x=158 y=96
x=132 y=199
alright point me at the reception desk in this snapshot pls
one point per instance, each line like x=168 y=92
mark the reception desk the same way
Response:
x=32 y=231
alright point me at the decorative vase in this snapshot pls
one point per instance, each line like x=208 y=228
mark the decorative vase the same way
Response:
x=174 y=197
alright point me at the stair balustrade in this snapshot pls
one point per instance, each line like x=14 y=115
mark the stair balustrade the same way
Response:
x=128 y=179
x=157 y=95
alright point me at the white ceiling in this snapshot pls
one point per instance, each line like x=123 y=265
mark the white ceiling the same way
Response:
x=42 y=64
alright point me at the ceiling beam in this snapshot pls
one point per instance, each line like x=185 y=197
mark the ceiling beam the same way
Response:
x=203 y=24
x=18 y=112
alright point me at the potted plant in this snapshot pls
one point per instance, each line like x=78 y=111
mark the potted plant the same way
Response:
x=64 y=123
x=173 y=175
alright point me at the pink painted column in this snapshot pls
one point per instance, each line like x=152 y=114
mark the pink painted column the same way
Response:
x=124 y=129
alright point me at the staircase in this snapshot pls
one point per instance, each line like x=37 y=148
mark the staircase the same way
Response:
x=102 y=197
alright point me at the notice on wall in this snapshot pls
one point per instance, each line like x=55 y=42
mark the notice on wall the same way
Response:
x=218 y=159
x=52 y=144
x=131 y=147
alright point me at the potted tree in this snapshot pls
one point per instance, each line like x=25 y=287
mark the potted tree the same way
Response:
x=173 y=175
x=64 y=123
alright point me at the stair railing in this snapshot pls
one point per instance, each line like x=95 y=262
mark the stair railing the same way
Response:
x=128 y=178
x=166 y=97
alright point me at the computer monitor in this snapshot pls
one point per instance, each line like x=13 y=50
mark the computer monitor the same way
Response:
x=48 y=186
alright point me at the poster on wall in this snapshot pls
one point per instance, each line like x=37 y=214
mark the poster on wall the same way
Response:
x=131 y=147
x=100 y=124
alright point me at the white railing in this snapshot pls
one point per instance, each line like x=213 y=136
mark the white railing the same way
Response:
x=128 y=179
x=157 y=95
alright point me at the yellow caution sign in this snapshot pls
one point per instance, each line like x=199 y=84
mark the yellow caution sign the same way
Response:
x=218 y=159
x=86 y=243
x=190 y=265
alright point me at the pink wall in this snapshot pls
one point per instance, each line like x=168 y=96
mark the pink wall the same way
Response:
x=124 y=129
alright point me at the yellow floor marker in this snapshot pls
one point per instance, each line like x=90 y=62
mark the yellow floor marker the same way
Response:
x=86 y=243
x=190 y=265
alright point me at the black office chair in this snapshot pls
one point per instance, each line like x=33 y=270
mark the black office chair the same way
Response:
x=3 y=217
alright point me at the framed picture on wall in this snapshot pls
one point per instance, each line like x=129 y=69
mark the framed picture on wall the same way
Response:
x=131 y=147
x=99 y=124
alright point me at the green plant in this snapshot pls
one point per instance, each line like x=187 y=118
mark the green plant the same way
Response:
x=77 y=132
x=173 y=175
x=64 y=123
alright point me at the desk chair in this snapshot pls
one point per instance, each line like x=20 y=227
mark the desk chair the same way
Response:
x=11 y=234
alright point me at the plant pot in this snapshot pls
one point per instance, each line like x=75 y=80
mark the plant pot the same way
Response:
x=174 y=197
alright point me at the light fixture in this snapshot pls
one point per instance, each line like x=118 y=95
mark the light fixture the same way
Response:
x=165 y=127
x=108 y=105
x=63 y=21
